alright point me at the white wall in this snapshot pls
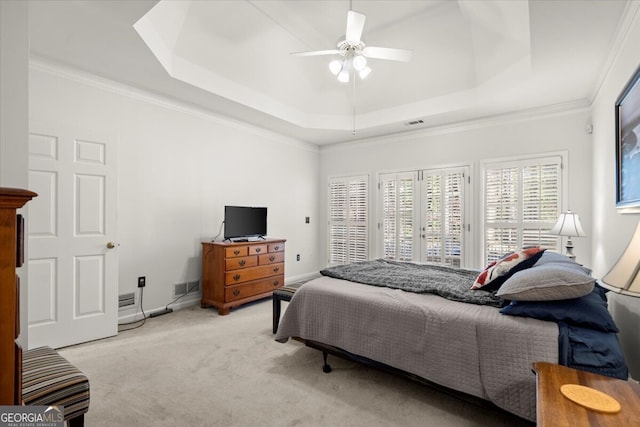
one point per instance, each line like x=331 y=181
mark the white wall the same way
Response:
x=471 y=143
x=14 y=115
x=612 y=229
x=177 y=169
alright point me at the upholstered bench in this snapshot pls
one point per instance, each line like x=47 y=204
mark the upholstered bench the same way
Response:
x=49 y=379
x=285 y=293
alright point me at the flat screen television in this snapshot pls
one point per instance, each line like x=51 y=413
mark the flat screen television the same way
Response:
x=243 y=222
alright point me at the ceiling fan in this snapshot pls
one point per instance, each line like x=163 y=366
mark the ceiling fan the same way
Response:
x=355 y=53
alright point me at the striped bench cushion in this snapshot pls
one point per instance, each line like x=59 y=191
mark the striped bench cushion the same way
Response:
x=49 y=379
x=286 y=292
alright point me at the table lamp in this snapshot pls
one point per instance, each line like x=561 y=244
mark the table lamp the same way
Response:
x=623 y=278
x=568 y=224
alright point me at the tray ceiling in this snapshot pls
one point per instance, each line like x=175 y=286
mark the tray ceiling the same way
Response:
x=471 y=59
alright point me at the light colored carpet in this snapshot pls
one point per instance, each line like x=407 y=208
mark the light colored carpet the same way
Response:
x=195 y=368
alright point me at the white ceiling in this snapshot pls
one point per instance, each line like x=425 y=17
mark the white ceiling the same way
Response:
x=471 y=59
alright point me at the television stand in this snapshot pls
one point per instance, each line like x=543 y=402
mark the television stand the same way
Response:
x=235 y=273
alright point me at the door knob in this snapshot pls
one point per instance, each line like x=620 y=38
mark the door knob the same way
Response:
x=111 y=245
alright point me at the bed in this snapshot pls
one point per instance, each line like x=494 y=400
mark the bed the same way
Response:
x=428 y=332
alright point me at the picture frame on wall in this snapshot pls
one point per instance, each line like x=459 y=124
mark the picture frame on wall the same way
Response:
x=627 y=115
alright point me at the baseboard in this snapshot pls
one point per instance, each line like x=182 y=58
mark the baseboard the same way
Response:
x=175 y=306
x=302 y=278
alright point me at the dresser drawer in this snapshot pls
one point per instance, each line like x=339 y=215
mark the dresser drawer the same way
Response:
x=255 y=287
x=258 y=249
x=236 y=251
x=276 y=247
x=240 y=262
x=271 y=258
x=253 y=273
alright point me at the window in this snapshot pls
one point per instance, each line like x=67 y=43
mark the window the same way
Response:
x=348 y=219
x=423 y=215
x=522 y=200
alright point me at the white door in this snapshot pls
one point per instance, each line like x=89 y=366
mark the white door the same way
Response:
x=72 y=252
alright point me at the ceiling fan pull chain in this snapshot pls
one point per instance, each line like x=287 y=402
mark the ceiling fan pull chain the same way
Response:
x=353 y=100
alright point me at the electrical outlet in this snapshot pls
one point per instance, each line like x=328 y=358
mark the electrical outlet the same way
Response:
x=142 y=281
x=306 y=220
x=298 y=257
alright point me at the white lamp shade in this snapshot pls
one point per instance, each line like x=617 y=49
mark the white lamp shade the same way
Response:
x=343 y=76
x=364 y=72
x=568 y=225
x=335 y=67
x=359 y=62
x=623 y=277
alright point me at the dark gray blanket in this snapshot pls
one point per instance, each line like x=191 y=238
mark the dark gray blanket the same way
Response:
x=451 y=283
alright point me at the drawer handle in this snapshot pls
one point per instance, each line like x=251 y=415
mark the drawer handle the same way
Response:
x=236 y=292
x=276 y=269
x=236 y=252
x=236 y=277
x=276 y=247
x=242 y=263
x=257 y=250
x=276 y=282
x=271 y=258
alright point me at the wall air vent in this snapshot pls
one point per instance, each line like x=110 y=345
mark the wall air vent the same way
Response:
x=126 y=300
x=194 y=286
x=179 y=289
x=414 y=122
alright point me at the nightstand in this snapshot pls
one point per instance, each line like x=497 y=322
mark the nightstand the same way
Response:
x=555 y=410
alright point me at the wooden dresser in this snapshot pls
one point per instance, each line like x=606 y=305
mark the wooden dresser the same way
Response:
x=11 y=257
x=235 y=273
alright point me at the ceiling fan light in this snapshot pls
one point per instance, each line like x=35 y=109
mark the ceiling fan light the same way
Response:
x=364 y=72
x=335 y=66
x=343 y=76
x=359 y=62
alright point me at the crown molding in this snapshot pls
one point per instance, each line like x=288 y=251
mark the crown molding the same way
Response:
x=524 y=115
x=630 y=15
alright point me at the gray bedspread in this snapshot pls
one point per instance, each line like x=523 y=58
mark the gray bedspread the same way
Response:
x=451 y=283
x=466 y=347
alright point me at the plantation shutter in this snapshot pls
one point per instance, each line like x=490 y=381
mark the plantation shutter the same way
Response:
x=443 y=226
x=432 y=228
x=522 y=203
x=348 y=219
x=398 y=215
x=454 y=218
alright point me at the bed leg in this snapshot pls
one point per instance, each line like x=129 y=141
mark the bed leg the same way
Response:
x=326 y=368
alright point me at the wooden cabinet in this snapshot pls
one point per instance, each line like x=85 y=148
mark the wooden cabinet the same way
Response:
x=234 y=273
x=11 y=257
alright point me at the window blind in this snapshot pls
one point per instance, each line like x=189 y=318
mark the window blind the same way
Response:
x=522 y=203
x=348 y=219
x=398 y=215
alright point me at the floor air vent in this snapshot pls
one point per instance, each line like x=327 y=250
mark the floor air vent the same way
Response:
x=125 y=300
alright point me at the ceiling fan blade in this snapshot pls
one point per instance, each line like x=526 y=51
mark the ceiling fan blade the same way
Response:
x=317 y=52
x=392 y=54
x=355 y=25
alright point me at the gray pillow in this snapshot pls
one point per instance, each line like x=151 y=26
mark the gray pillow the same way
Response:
x=554 y=258
x=548 y=282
